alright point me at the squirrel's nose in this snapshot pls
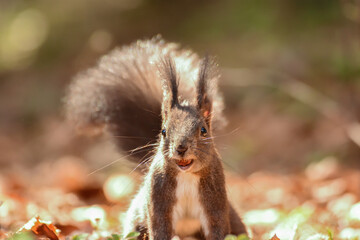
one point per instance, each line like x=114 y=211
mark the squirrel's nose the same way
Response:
x=181 y=149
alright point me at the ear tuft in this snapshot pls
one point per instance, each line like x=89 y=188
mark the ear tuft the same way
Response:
x=170 y=84
x=170 y=80
x=204 y=87
x=202 y=84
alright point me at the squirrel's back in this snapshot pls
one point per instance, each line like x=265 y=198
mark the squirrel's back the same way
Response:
x=123 y=92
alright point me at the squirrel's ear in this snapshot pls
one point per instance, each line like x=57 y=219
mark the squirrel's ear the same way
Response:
x=169 y=86
x=206 y=76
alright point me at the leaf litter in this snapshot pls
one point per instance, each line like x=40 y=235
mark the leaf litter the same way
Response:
x=322 y=202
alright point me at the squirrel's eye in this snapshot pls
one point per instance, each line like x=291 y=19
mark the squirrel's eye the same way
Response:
x=163 y=132
x=203 y=131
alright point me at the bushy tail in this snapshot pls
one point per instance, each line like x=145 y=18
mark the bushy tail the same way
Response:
x=123 y=92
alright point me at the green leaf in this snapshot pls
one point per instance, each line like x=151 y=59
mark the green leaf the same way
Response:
x=243 y=237
x=116 y=236
x=82 y=236
x=230 y=237
x=22 y=236
x=132 y=235
x=331 y=236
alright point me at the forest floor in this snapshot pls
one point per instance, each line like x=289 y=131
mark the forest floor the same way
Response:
x=63 y=202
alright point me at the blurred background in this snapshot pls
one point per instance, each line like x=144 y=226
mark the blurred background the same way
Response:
x=291 y=72
x=291 y=81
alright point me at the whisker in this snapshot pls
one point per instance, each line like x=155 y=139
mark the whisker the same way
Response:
x=224 y=135
x=143 y=161
x=203 y=151
x=113 y=162
x=131 y=137
x=154 y=113
x=145 y=146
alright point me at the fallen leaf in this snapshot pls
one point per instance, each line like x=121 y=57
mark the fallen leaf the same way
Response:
x=41 y=228
x=275 y=238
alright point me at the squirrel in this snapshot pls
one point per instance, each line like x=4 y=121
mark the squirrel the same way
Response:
x=153 y=89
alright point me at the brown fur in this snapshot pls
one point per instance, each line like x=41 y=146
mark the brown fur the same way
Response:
x=163 y=186
x=190 y=109
x=123 y=92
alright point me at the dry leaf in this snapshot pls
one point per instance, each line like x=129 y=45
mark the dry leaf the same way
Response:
x=42 y=228
x=275 y=238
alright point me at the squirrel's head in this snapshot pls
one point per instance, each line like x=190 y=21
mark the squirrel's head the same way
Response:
x=186 y=135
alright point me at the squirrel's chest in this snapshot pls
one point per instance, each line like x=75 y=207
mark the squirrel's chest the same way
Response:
x=188 y=213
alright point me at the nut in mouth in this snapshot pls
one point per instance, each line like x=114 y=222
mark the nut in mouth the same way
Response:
x=184 y=164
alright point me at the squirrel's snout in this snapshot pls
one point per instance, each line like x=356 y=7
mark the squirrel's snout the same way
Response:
x=181 y=149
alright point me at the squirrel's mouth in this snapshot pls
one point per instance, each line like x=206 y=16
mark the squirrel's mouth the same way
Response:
x=184 y=164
